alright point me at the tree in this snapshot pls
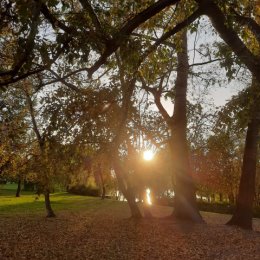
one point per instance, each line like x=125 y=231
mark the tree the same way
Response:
x=244 y=207
x=185 y=206
x=14 y=144
x=81 y=48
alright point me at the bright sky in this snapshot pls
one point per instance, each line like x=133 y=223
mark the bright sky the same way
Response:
x=218 y=95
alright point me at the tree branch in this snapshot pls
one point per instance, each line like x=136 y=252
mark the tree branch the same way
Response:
x=157 y=99
x=5 y=82
x=35 y=126
x=174 y=30
x=69 y=85
x=24 y=52
x=87 y=6
x=205 y=62
x=230 y=36
x=169 y=44
x=249 y=22
x=54 y=21
x=119 y=37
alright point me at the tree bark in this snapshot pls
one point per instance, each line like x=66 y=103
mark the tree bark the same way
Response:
x=243 y=214
x=185 y=206
x=126 y=189
x=18 y=190
x=50 y=212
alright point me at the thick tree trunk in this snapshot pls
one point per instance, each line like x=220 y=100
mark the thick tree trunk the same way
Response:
x=18 y=190
x=126 y=189
x=50 y=213
x=185 y=197
x=243 y=214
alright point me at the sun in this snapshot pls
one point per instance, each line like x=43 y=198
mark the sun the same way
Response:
x=148 y=155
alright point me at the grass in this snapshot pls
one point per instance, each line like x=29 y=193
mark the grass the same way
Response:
x=27 y=204
x=95 y=229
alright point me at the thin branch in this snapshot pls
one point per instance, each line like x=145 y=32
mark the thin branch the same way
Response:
x=205 y=62
x=69 y=85
x=87 y=6
x=157 y=98
x=167 y=43
x=174 y=30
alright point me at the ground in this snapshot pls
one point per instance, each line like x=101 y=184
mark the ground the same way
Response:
x=88 y=228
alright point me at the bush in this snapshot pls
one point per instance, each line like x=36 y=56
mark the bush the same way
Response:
x=84 y=190
x=222 y=208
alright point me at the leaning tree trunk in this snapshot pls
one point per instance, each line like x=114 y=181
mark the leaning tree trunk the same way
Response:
x=185 y=205
x=243 y=214
x=41 y=143
x=50 y=212
x=125 y=188
x=18 y=190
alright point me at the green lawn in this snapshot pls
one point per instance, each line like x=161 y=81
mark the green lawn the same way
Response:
x=95 y=229
x=28 y=204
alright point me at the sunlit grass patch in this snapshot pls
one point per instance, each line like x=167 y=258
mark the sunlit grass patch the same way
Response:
x=30 y=203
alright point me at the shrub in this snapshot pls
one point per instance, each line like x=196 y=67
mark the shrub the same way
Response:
x=81 y=189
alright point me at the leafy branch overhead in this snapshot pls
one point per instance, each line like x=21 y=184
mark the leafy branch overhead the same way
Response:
x=85 y=35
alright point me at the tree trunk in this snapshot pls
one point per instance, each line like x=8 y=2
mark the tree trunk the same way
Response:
x=18 y=190
x=243 y=214
x=125 y=188
x=101 y=182
x=50 y=213
x=185 y=197
x=103 y=195
x=220 y=197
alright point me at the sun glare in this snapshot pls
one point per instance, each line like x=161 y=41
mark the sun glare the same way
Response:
x=148 y=155
x=148 y=197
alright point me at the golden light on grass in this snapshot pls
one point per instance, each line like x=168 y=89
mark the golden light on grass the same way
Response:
x=148 y=155
x=148 y=196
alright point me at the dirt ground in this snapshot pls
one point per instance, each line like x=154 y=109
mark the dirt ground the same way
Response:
x=110 y=234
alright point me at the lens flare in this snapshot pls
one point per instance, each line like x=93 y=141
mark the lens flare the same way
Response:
x=148 y=196
x=148 y=155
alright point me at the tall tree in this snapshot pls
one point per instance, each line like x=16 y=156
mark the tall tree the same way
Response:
x=244 y=205
x=185 y=206
x=44 y=184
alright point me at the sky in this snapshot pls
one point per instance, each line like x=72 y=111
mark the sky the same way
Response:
x=218 y=94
